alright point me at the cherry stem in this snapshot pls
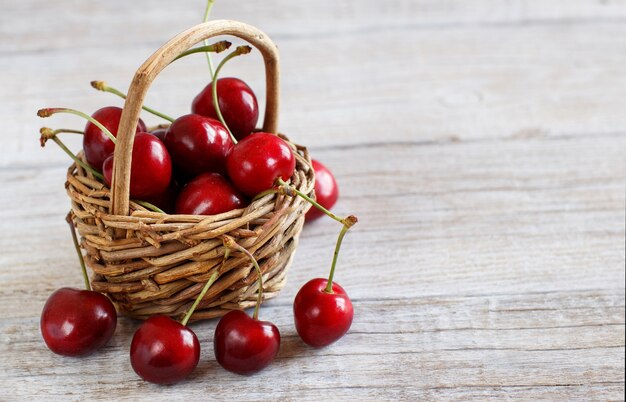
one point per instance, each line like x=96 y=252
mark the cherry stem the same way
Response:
x=207 y=12
x=240 y=50
x=80 y=255
x=49 y=134
x=292 y=190
x=102 y=86
x=152 y=207
x=349 y=221
x=217 y=47
x=264 y=193
x=205 y=289
x=229 y=243
x=47 y=112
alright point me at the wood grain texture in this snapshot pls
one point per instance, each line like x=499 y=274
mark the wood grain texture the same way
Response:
x=482 y=145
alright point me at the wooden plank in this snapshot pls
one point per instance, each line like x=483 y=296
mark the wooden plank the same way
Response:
x=349 y=89
x=524 y=215
x=446 y=347
x=482 y=145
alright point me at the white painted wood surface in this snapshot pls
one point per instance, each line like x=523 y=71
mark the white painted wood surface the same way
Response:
x=482 y=145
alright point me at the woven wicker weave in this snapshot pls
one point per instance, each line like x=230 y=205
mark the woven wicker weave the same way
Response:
x=152 y=263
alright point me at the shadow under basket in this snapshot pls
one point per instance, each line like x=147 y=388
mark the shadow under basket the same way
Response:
x=161 y=263
x=153 y=263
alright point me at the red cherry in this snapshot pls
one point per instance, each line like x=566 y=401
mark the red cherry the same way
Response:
x=326 y=190
x=151 y=167
x=164 y=351
x=76 y=322
x=209 y=194
x=322 y=318
x=244 y=345
x=257 y=161
x=237 y=103
x=96 y=144
x=166 y=201
x=159 y=133
x=198 y=144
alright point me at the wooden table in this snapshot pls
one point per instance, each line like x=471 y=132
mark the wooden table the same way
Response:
x=482 y=145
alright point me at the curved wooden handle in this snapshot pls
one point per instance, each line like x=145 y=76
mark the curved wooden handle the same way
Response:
x=155 y=64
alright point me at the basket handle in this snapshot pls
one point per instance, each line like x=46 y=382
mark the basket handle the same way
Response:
x=148 y=71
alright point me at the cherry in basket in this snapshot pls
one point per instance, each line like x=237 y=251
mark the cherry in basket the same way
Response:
x=209 y=194
x=96 y=143
x=198 y=144
x=237 y=103
x=258 y=161
x=151 y=167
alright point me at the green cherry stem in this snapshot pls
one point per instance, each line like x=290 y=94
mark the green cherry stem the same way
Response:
x=217 y=47
x=68 y=218
x=147 y=205
x=290 y=190
x=229 y=243
x=47 y=112
x=207 y=12
x=348 y=222
x=102 y=86
x=49 y=134
x=240 y=50
x=205 y=289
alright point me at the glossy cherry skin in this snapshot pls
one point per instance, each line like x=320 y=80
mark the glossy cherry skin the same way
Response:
x=209 y=194
x=164 y=351
x=326 y=190
x=96 y=144
x=257 y=161
x=76 y=322
x=322 y=318
x=237 y=102
x=150 y=169
x=244 y=345
x=198 y=144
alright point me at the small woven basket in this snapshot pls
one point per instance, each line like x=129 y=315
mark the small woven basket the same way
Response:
x=152 y=263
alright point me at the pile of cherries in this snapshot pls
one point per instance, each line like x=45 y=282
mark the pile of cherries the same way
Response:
x=205 y=163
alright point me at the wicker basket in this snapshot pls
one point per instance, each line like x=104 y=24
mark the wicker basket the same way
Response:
x=151 y=263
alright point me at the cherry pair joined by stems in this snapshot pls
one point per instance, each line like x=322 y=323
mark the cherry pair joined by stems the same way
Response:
x=77 y=322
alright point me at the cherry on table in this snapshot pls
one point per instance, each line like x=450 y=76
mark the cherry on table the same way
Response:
x=322 y=318
x=257 y=161
x=77 y=322
x=96 y=144
x=245 y=345
x=237 y=102
x=242 y=344
x=163 y=351
x=326 y=190
x=151 y=167
x=198 y=144
x=209 y=194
